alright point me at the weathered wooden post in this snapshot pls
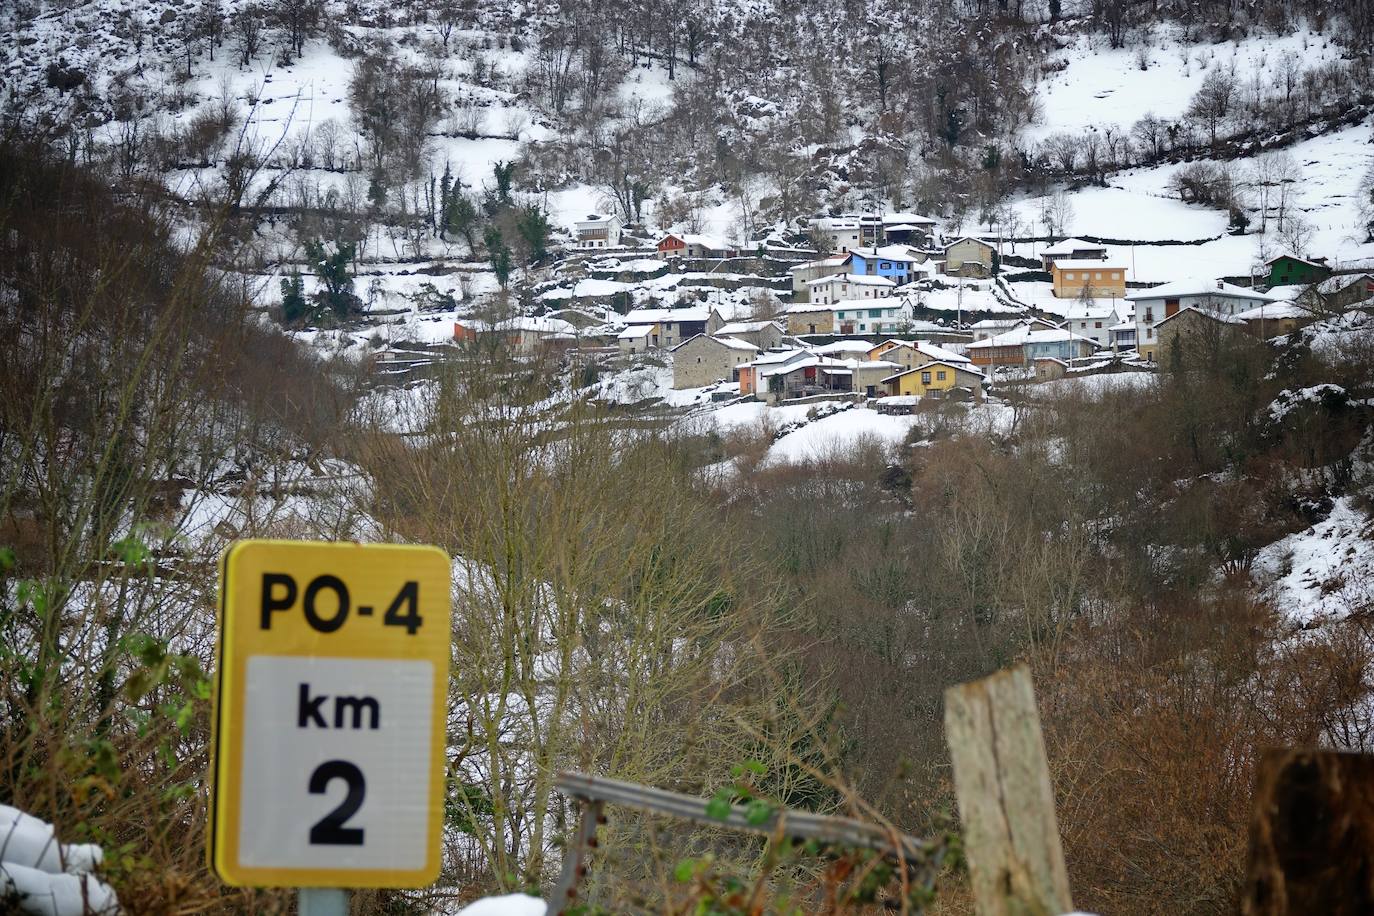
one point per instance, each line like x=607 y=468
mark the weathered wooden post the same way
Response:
x=1311 y=835
x=1006 y=802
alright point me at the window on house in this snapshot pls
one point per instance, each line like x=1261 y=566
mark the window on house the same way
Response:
x=875 y=313
x=885 y=265
x=1068 y=275
x=925 y=378
x=1099 y=275
x=1097 y=324
x=1149 y=333
x=940 y=375
x=1150 y=316
x=863 y=327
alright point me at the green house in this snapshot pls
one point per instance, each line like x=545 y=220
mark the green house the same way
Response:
x=1288 y=270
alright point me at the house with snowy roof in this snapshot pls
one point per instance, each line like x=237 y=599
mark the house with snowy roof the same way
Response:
x=679 y=324
x=907 y=228
x=827 y=290
x=1157 y=303
x=1022 y=346
x=991 y=327
x=810 y=318
x=1194 y=328
x=704 y=359
x=840 y=233
x=522 y=334
x=1088 y=278
x=1073 y=249
x=598 y=231
x=803 y=274
x=898 y=263
x=888 y=315
x=762 y=334
x=1289 y=270
x=936 y=378
x=1275 y=319
x=1092 y=318
x=970 y=257
x=688 y=245
x=912 y=354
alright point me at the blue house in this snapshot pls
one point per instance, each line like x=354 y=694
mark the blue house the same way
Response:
x=895 y=262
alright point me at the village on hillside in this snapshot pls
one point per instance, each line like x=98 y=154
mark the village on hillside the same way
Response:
x=882 y=307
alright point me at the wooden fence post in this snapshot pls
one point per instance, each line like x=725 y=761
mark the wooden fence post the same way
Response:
x=1006 y=802
x=1311 y=835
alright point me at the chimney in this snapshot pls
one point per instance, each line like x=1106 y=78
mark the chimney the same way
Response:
x=1220 y=285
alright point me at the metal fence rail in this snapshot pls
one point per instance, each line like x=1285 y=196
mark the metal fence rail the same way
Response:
x=595 y=792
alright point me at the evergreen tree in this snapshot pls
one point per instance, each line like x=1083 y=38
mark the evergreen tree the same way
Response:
x=499 y=254
x=534 y=229
x=461 y=216
x=332 y=269
x=294 y=306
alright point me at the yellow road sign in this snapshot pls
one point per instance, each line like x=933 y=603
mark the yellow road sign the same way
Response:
x=327 y=760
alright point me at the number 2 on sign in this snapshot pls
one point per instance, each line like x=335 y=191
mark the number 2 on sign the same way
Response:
x=279 y=593
x=330 y=829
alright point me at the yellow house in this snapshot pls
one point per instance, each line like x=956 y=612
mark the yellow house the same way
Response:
x=1103 y=279
x=934 y=377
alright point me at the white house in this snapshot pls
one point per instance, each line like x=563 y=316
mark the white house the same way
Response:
x=992 y=327
x=598 y=231
x=842 y=232
x=1092 y=319
x=889 y=315
x=1157 y=303
x=828 y=290
x=1073 y=249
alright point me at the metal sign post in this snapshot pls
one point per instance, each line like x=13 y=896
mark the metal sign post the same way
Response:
x=321 y=901
x=327 y=760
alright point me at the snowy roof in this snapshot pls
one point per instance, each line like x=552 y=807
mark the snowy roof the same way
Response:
x=1025 y=335
x=1205 y=313
x=969 y=238
x=885 y=252
x=997 y=323
x=926 y=348
x=773 y=357
x=806 y=307
x=593 y=220
x=1087 y=264
x=1197 y=287
x=857 y=279
x=537 y=325
x=745 y=327
x=654 y=316
x=636 y=331
x=1069 y=246
x=882 y=302
x=1272 y=310
x=734 y=343
x=824 y=262
x=1293 y=257
x=844 y=346
x=957 y=367
x=1050 y=359
x=705 y=241
x=910 y=220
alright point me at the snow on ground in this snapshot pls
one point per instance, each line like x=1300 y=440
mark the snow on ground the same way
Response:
x=1097 y=385
x=1135 y=207
x=1102 y=85
x=1324 y=572
x=509 y=905
x=839 y=433
x=1138 y=213
x=649 y=83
